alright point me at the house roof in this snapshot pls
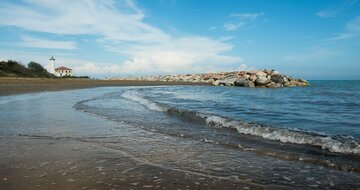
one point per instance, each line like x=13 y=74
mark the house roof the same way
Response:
x=62 y=68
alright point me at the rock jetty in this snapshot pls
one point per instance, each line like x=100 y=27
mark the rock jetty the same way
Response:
x=252 y=79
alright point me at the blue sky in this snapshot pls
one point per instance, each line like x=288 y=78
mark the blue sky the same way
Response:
x=312 y=39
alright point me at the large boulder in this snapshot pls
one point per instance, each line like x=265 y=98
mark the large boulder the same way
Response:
x=278 y=79
x=261 y=74
x=267 y=71
x=275 y=72
x=262 y=80
x=228 y=82
x=252 y=78
x=216 y=83
x=274 y=85
x=253 y=72
x=244 y=83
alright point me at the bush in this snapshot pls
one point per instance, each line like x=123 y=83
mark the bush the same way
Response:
x=38 y=70
x=12 y=68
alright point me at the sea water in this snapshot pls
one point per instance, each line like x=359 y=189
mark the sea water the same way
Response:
x=293 y=137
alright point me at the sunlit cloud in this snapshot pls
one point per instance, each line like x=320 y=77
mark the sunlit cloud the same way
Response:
x=119 y=27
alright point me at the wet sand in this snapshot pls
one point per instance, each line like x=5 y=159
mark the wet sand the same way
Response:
x=31 y=162
x=10 y=86
x=38 y=163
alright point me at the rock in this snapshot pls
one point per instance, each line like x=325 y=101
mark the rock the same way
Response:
x=206 y=77
x=290 y=84
x=217 y=77
x=275 y=72
x=230 y=76
x=302 y=80
x=262 y=80
x=253 y=72
x=242 y=72
x=241 y=82
x=261 y=74
x=228 y=81
x=259 y=78
x=278 y=79
x=252 y=78
x=274 y=85
x=244 y=83
x=251 y=84
x=216 y=83
x=267 y=71
x=285 y=79
x=210 y=81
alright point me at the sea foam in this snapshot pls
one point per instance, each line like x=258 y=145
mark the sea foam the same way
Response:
x=333 y=144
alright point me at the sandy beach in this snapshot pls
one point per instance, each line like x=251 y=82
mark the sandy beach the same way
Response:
x=9 y=86
x=35 y=161
x=137 y=136
x=45 y=163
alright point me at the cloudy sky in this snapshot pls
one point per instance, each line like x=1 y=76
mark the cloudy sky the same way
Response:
x=310 y=39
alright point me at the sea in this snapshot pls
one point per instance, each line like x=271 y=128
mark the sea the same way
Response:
x=298 y=137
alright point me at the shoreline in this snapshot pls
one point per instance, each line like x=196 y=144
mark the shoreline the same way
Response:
x=14 y=86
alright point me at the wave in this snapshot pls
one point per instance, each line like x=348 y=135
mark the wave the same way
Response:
x=22 y=97
x=338 y=144
x=135 y=97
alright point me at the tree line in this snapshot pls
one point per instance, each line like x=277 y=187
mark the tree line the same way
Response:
x=12 y=68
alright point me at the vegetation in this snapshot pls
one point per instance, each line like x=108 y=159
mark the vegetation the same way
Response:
x=77 y=77
x=14 y=69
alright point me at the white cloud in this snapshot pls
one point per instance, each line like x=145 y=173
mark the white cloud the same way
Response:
x=47 y=44
x=352 y=30
x=119 y=27
x=240 y=20
x=335 y=9
x=180 y=54
x=82 y=17
x=325 y=14
x=246 y=16
x=233 y=26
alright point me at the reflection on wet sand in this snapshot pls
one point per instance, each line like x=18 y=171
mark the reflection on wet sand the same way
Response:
x=36 y=163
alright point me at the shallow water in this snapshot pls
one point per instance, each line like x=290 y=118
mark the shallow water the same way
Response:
x=292 y=137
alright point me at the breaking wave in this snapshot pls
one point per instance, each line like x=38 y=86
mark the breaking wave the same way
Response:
x=338 y=144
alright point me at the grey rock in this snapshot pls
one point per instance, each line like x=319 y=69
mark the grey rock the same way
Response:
x=244 y=83
x=274 y=85
x=228 y=82
x=278 y=79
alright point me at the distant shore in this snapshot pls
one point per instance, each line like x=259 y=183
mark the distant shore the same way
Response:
x=12 y=86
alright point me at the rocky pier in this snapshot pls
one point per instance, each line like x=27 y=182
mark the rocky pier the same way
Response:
x=255 y=78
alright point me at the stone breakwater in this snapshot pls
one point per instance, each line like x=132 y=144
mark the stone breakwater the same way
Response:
x=255 y=78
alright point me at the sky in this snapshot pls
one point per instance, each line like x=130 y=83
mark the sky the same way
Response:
x=311 y=39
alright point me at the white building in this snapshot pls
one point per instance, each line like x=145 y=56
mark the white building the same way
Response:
x=52 y=65
x=63 y=71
